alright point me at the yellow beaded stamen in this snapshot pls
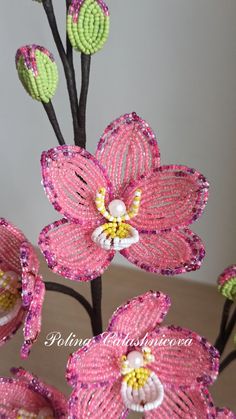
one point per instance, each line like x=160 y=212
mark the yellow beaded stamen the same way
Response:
x=134 y=209
x=132 y=212
x=24 y=414
x=116 y=234
x=137 y=378
x=9 y=292
x=141 y=389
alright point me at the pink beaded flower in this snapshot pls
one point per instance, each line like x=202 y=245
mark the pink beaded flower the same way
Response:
x=21 y=287
x=26 y=397
x=227 y=282
x=137 y=365
x=121 y=200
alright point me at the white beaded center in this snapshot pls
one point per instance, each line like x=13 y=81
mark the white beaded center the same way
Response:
x=141 y=389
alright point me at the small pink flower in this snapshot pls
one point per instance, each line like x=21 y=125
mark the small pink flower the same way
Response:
x=129 y=367
x=25 y=396
x=121 y=200
x=21 y=287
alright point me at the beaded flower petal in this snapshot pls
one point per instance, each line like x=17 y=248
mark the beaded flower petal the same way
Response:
x=25 y=396
x=21 y=287
x=227 y=282
x=121 y=200
x=138 y=365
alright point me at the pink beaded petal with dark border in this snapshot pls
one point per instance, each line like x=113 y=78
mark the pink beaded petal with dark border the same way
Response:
x=170 y=252
x=171 y=196
x=224 y=413
x=140 y=315
x=33 y=319
x=183 y=365
x=127 y=150
x=184 y=404
x=96 y=364
x=30 y=267
x=71 y=178
x=97 y=403
x=28 y=392
x=11 y=240
x=70 y=251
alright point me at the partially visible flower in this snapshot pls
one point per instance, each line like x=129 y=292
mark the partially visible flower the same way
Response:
x=227 y=282
x=88 y=25
x=27 y=397
x=137 y=365
x=37 y=72
x=21 y=287
x=121 y=200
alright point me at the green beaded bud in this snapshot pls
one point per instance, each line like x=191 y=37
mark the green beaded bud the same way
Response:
x=227 y=283
x=88 y=25
x=37 y=72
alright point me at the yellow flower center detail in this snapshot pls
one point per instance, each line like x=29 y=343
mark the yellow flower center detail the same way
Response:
x=10 y=298
x=137 y=378
x=141 y=389
x=117 y=234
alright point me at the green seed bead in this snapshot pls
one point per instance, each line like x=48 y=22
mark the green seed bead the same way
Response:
x=88 y=25
x=37 y=72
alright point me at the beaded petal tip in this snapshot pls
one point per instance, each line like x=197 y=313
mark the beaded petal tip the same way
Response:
x=88 y=25
x=37 y=72
x=136 y=365
x=121 y=200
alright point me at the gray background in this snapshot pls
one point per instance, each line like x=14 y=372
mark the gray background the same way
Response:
x=174 y=63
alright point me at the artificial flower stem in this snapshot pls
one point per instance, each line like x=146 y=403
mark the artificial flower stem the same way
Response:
x=53 y=120
x=96 y=293
x=227 y=361
x=85 y=72
x=63 y=289
x=227 y=333
x=68 y=69
x=224 y=320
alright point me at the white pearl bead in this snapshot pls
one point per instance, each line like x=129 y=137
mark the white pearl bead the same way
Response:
x=117 y=208
x=135 y=359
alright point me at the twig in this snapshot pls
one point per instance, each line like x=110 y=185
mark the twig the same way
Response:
x=53 y=286
x=53 y=120
x=96 y=292
x=68 y=69
x=85 y=73
x=227 y=333
x=219 y=343
x=229 y=358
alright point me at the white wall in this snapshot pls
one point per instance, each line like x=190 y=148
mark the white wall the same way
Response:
x=174 y=63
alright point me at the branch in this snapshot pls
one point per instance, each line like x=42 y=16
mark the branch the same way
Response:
x=53 y=286
x=54 y=122
x=227 y=333
x=224 y=320
x=96 y=292
x=69 y=71
x=229 y=358
x=85 y=73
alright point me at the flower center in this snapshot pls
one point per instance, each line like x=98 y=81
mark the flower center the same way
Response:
x=44 y=413
x=116 y=234
x=10 y=298
x=141 y=389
